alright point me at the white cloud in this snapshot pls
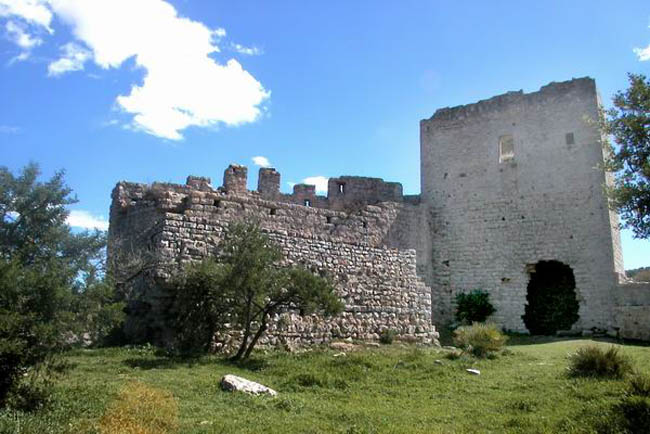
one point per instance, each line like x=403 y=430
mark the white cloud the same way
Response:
x=319 y=181
x=85 y=220
x=8 y=129
x=19 y=58
x=32 y=11
x=183 y=85
x=261 y=161
x=19 y=36
x=643 y=53
x=250 y=51
x=73 y=59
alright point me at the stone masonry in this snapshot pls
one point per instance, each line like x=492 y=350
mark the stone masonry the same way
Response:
x=505 y=183
x=175 y=224
x=495 y=216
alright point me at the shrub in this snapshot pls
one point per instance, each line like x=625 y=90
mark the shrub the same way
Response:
x=387 y=336
x=639 y=385
x=635 y=411
x=594 y=361
x=473 y=307
x=454 y=355
x=140 y=409
x=481 y=340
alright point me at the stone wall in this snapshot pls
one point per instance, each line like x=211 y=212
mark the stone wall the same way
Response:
x=379 y=285
x=505 y=183
x=632 y=310
x=348 y=192
x=512 y=181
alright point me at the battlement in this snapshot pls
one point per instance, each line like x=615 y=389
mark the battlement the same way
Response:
x=548 y=93
x=343 y=193
x=506 y=183
x=355 y=210
x=174 y=224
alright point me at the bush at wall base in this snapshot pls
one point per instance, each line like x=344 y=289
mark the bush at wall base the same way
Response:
x=473 y=307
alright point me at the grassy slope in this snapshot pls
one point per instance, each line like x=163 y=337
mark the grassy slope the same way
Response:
x=388 y=389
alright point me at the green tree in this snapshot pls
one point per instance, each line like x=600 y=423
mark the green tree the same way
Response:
x=44 y=268
x=198 y=309
x=628 y=123
x=245 y=286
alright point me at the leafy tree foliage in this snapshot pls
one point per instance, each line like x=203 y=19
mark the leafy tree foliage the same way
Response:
x=245 y=286
x=628 y=122
x=198 y=309
x=45 y=269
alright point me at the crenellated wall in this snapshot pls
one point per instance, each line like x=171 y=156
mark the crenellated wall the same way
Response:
x=378 y=284
x=506 y=183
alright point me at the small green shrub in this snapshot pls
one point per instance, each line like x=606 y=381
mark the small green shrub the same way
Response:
x=635 y=411
x=387 y=336
x=473 y=307
x=594 y=361
x=639 y=385
x=480 y=340
x=453 y=355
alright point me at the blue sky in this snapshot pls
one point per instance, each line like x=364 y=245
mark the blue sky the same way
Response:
x=154 y=90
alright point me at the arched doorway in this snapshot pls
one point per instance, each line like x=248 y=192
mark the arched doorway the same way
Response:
x=551 y=302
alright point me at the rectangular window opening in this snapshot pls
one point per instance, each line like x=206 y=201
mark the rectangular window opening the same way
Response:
x=570 y=139
x=506 y=148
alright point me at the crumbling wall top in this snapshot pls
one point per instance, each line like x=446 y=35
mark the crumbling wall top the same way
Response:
x=547 y=93
x=235 y=179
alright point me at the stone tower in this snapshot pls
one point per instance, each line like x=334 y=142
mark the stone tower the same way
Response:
x=511 y=181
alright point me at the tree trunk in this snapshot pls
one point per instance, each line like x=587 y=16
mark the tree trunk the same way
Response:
x=243 y=345
x=247 y=333
x=259 y=333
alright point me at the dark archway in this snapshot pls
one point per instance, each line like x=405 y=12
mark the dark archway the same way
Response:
x=551 y=299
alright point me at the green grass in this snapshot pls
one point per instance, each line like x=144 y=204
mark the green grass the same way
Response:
x=392 y=389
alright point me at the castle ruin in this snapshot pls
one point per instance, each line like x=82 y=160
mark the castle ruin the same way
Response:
x=507 y=184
